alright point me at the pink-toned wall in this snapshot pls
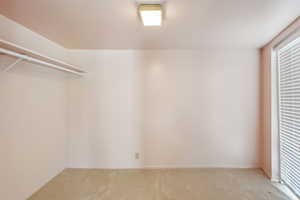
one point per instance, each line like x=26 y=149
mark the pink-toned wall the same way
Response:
x=269 y=154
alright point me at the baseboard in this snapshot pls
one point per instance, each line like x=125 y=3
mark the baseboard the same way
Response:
x=275 y=179
x=201 y=166
x=45 y=182
x=268 y=174
x=176 y=167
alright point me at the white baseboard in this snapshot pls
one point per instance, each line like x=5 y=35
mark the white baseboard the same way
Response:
x=176 y=167
x=200 y=166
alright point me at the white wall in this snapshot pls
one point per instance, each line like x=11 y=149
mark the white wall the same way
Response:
x=202 y=108
x=105 y=110
x=177 y=108
x=32 y=117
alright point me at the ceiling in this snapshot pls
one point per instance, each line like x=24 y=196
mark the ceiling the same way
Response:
x=188 y=24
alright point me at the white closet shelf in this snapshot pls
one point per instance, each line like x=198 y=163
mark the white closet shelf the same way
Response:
x=22 y=53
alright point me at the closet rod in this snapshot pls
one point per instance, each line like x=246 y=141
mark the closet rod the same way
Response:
x=34 y=60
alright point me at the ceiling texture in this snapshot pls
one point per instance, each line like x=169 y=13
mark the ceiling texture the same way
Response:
x=188 y=24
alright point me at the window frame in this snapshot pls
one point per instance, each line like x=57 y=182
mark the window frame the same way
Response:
x=275 y=107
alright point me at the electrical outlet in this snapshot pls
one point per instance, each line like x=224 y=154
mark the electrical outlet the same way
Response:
x=137 y=156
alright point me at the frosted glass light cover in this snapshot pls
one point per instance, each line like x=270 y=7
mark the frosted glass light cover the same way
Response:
x=151 y=15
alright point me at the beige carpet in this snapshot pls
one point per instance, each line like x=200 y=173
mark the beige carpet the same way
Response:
x=163 y=184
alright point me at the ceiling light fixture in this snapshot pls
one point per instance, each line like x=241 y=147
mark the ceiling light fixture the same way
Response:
x=151 y=14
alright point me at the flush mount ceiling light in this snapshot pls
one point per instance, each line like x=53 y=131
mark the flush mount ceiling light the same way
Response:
x=151 y=14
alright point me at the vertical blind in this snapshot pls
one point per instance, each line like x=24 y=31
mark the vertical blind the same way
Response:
x=288 y=60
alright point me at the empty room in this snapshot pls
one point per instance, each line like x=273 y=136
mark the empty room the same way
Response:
x=150 y=99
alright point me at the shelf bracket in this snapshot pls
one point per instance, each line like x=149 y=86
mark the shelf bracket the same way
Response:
x=9 y=67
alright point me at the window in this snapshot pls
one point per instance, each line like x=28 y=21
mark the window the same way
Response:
x=288 y=63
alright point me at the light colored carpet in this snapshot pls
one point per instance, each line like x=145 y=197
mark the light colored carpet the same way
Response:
x=161 y=184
